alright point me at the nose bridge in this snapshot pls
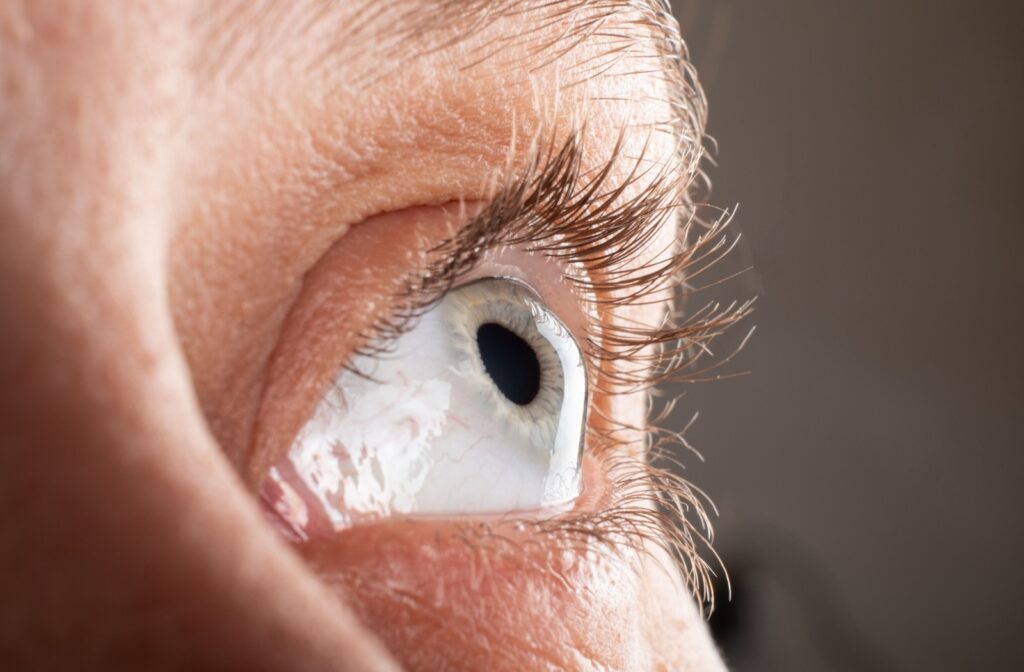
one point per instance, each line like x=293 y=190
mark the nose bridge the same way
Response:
x=86 y=345
x=87 y=363
x=80 y=223
x=84 y=177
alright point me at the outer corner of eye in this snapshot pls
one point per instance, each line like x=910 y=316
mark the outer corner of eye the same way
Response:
x=478 y=409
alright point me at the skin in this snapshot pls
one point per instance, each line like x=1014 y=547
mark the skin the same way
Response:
x=198 y=210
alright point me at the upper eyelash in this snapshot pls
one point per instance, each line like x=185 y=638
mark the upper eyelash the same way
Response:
x=555 y=210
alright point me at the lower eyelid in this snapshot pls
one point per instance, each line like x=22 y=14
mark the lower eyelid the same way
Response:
x=444 y=580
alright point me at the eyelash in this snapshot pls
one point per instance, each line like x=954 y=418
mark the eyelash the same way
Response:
x=555 y=210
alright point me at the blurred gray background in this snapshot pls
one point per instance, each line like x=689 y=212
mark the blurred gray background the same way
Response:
x=868 y=468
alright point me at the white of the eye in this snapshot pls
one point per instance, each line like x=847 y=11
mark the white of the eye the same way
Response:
x=426 y=431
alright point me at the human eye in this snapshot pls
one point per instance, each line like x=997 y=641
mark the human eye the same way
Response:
x=486 y=395
x=477 y=408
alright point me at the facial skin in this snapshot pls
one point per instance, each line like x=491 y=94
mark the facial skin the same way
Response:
x=202 y=209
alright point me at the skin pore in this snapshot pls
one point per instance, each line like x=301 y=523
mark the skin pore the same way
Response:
x=203 y=213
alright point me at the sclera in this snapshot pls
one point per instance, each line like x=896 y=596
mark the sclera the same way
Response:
x=421 y=430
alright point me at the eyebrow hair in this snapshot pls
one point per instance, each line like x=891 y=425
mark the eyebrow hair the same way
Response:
x=643 y=32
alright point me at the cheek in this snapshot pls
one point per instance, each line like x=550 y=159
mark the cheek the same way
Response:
x=675 y=632
x=441 y=593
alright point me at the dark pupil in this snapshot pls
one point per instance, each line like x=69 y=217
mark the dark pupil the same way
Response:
x=510 y=362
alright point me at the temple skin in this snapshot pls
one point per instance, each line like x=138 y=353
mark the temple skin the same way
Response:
x=170 y=175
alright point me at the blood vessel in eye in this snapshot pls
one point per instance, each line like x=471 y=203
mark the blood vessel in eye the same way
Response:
x=510 y=362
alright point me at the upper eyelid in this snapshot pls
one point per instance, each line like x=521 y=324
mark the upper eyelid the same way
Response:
x=591 y=225
x=589 y=219
x=553 y=211
x=608 y=221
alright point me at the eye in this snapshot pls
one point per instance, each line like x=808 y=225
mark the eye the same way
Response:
x=477 y=409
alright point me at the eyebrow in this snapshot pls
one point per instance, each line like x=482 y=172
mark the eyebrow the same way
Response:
x=464 y=18
x=644 y=31
x=416 y=27
x=623 y=24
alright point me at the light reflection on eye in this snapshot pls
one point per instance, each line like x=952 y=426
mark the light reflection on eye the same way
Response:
x=478 y=409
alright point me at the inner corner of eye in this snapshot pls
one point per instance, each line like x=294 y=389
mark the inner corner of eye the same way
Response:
x=477 y=409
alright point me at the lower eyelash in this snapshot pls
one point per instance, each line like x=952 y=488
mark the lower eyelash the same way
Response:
x=651 y=509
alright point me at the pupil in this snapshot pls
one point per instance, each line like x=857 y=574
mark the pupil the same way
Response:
x=510 y=362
